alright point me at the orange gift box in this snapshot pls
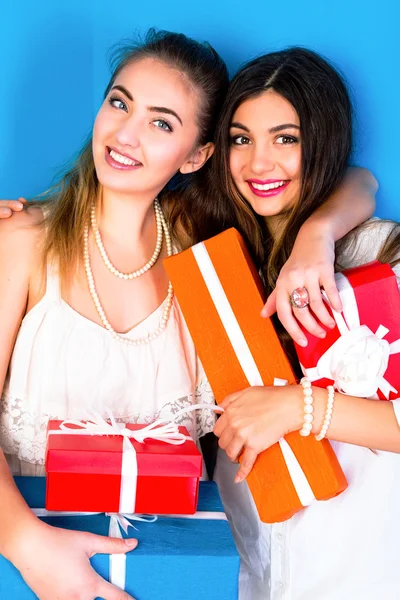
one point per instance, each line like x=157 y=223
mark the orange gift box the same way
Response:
x=221 y=295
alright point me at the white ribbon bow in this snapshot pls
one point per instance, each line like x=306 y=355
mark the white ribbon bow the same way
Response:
x=165 y=430
x=162 y=429
x=358 y=360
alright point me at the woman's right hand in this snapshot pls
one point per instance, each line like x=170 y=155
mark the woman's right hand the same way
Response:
x=7 y=207
x=55 y=563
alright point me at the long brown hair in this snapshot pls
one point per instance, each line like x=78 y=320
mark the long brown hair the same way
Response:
x=70 y=201
x=319 y=95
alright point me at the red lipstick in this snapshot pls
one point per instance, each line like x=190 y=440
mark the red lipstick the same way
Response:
x=270 y=191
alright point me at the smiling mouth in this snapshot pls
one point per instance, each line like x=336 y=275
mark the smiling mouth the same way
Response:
x=119 y=161
x=265 y=190
x=265 y=187
x=123 y=160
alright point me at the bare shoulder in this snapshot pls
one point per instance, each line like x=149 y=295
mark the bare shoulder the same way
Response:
x=29 y=218
x=23 y=227
x=20 y=266
x=20 y=242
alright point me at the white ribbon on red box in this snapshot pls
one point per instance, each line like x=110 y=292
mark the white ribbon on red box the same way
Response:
x=358 y=360
x=247 y=362
x=162 y=429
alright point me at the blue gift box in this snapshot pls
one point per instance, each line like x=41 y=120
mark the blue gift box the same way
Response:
x=177 y=558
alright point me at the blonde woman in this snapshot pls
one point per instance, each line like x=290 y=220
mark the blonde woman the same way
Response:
x=87 y=315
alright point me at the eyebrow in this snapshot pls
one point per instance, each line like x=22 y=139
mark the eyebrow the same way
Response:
x=123 y=89
x=284 y=126
x=165 y=111
x=237 y=125
x=159 y=109
x=275 y=129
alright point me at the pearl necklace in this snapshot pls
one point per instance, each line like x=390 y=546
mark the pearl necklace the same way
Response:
x=104 y=255
x=92 y=288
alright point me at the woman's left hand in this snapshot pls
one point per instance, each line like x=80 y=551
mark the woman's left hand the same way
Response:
x=255 y=419
x=310 y=266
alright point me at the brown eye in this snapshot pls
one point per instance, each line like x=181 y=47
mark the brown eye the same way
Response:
x=240 y=140
x=286 y=140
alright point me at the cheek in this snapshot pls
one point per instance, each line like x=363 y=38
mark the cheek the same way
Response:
x=99 y=127
x=168 y=152
x=235 y=164
x=293 y=164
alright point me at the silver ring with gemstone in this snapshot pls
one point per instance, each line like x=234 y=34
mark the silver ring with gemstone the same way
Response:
x=299 y=298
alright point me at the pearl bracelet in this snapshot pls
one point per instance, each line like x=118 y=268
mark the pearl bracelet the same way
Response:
x=308 y=407
x=328 y=413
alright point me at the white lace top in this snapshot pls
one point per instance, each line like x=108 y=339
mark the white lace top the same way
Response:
x=64 y=364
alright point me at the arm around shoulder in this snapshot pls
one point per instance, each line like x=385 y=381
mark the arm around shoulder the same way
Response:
x=352 y=203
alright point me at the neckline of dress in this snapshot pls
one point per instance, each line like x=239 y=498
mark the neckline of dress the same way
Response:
x=133 y=329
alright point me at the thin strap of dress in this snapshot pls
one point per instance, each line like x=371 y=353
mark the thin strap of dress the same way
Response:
x=53 y=282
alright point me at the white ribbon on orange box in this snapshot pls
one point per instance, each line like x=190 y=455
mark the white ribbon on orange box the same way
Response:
x=358 y=360
x=247 y=362
x=117 y=562
x=165 y=430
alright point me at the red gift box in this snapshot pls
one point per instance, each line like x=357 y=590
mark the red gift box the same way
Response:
x=114 y=473
x=361 y=355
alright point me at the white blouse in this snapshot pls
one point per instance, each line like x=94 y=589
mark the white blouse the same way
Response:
x=64 y=364
x=346 y=548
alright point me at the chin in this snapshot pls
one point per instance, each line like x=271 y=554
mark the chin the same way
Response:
x=262 y=210
x=115 y=182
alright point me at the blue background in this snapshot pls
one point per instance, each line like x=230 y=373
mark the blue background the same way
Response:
x=53 y=70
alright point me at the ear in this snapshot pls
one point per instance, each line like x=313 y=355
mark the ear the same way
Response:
x=198 y=159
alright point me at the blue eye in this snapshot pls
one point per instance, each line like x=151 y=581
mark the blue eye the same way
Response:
x=240 y=140
x=286 y=140
x=118 y=103
x=162 y=124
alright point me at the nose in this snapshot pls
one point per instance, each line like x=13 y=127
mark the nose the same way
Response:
x=129 y=132
x=262 y=159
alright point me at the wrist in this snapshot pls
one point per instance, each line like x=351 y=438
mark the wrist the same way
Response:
x=23 y=536
x=318 y=226
x=297 y=409
x=319 y=396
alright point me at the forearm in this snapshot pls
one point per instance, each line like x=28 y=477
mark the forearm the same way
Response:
x=368 y=423
x=15 y=515
x=351 y=204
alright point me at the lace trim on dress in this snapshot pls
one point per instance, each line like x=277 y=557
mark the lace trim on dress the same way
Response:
x=23 y=433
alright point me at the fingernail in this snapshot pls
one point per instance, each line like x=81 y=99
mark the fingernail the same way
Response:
x=332 y=324
x=263 y=313
x=5 y=211
x=302 y=342
x=238 y=479
x=322 y=334
x=19 y=205
x=131 y=542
